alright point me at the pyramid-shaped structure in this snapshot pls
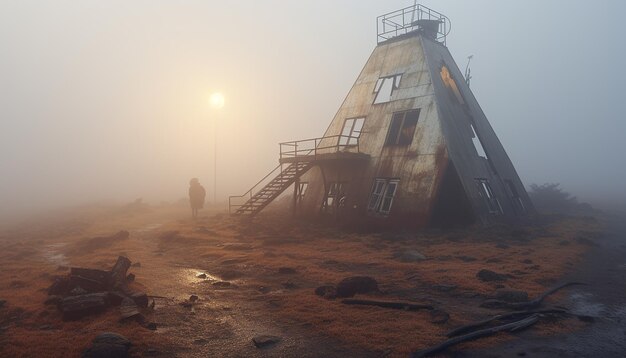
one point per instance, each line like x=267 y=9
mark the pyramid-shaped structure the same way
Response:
x=410 y=144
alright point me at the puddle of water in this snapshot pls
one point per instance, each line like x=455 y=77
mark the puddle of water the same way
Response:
x=148 y=228
x=583 y=305
x=190 y=276
x=51 y=254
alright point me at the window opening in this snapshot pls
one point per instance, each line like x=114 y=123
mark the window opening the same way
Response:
x=450 y=83
x=384 y=88
x=478 y=145
x=351 y=131
x=402 y=128
x=335 y=197
x=381 y=198
x=301 y=192
x=484 y=189
x=514 y=194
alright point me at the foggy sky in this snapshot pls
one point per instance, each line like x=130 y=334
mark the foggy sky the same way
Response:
x=108 y=100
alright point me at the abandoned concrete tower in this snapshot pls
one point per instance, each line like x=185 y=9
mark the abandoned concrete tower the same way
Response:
x=410 y=144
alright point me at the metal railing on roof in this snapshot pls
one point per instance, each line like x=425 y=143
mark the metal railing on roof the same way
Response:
x=406 y=20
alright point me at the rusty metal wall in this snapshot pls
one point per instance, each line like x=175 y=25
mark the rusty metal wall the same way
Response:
x=416 y=165
x=443 y=135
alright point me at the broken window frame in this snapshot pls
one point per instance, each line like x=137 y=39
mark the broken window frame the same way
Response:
x=450 y=82
x=518 y=203
x=393 y=82
x=301 y=191
x=478 y=144
x=486 y=192
x=382 y=195
x=402 y=128
x=334 y=197
x=352 y=136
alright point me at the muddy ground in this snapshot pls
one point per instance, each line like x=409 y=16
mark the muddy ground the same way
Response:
x=261 y=276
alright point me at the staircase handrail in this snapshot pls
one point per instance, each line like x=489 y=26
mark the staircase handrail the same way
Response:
x=249 y=192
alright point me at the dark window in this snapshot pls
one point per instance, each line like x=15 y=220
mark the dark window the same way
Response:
x=402 y=128
x=515 y=198
x=381 y=198
x=484 y=189
x=301 y=191
x=335 y=197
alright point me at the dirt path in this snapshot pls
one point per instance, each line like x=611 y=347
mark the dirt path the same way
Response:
x=604 y=299
x=224 y=320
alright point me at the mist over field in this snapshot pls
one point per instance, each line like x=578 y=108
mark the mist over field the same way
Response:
x=109 y=101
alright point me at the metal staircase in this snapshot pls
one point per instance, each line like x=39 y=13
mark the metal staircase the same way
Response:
x=270 y=191
x=296 y=158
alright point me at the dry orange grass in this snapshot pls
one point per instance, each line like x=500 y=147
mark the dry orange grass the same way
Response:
x=534 y=257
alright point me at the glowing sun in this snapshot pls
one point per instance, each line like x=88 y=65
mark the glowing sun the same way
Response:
x=217 y=100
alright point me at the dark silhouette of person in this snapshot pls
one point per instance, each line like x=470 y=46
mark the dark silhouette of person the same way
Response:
x=196 y=196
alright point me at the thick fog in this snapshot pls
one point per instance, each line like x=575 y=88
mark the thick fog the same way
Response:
x=108 y=100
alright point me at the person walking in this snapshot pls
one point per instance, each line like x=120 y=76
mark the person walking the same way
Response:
x=196 y=196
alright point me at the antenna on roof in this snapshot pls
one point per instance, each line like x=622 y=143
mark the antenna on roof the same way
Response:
x=468 y=75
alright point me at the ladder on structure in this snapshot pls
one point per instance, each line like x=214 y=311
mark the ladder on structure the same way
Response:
x=259 y=200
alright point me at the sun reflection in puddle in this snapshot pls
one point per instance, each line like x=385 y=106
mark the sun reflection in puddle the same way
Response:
x=51 y=254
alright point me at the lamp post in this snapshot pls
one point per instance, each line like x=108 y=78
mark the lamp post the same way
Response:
x=217 y=102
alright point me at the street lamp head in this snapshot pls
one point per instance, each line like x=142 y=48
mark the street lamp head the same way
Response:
x=216 y=100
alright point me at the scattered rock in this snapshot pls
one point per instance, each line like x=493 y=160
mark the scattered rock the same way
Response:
x=265 y=340
x=130 y=277
x=76 y=307
x=289 y=285
x=140 y=298
x=2 y=303
x=512 y=296
x=350 y=286
x=128 y=309
x=201 y=275
x=326 y=291
x=527 y=261
x=193 y=298
x=490 y=276
x=409 y=256
x=151 y=326
x=45 y=327
x=61 y=285
x=493 y=260
x=88 y=284
x=264 y=289
x=108 y=345
x=286 y=270
x=77 y=291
